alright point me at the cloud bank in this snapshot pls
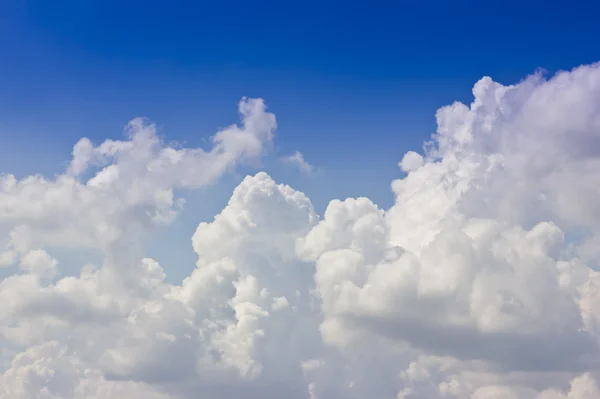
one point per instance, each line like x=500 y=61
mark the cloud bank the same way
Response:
x=481 y=280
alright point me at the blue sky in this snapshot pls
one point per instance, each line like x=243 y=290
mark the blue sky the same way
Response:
x=353 y=85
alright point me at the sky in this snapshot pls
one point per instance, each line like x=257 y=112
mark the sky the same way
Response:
x=353 y=85
x=227 y=199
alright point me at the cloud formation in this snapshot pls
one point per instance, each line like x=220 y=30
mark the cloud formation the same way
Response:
x=297 y=160
x=480 y=281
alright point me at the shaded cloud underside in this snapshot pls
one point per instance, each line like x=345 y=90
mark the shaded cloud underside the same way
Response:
x=480 y=282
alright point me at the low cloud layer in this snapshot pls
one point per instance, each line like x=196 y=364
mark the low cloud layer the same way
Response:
x=479 y=282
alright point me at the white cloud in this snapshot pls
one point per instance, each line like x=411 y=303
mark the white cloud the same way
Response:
x=411 y=161
x=297 y=160
x=480 y=281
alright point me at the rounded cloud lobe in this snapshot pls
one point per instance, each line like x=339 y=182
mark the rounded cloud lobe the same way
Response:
x=480 y=281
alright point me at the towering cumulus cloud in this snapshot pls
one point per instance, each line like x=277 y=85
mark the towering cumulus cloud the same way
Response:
x=480 y=282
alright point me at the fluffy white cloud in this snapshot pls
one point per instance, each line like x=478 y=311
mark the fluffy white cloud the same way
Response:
x=480 y=282
x=49 y=371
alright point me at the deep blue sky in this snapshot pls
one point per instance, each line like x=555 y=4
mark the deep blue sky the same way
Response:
x=353 y=84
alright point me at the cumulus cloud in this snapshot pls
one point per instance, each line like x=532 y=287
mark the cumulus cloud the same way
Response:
x=480 y=281
x=297 y=160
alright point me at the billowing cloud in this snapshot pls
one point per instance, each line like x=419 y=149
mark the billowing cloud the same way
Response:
x=480 y=281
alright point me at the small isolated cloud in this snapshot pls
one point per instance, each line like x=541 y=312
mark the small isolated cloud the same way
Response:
x=481 y=281
x=297 y=160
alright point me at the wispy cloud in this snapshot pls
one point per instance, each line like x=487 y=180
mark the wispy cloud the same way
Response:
x=297 y=160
